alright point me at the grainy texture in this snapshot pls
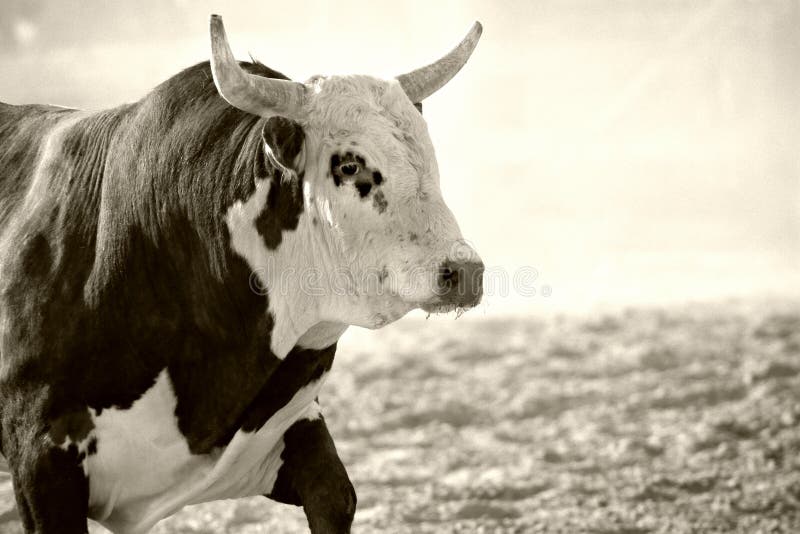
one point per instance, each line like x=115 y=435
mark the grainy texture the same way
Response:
x=679 y=420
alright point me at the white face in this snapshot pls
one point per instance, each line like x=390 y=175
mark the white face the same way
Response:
x=373 y=198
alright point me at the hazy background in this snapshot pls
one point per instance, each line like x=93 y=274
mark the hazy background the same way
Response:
x=633 y=153
x=629 y=151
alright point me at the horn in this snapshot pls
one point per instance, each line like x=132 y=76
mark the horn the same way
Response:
x=254 y=94
x=423 y=82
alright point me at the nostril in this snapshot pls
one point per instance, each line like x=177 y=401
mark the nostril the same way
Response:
x=461 y=283
x=448 y=276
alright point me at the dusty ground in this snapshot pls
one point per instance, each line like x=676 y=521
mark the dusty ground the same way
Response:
x=681 y=420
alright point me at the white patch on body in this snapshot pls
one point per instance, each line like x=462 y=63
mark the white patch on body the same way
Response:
x=249 y=244
x=143 y=470
x=245 y=239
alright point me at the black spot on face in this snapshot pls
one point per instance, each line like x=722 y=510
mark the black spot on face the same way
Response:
x=363 y=189
x=379 y=202
x=91 y=448
x=412 y=237
x=418 y=105
x=351 y=167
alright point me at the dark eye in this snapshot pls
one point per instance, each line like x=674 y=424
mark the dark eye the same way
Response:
x=350 y=169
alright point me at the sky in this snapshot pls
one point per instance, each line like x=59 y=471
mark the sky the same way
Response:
x=594 y=152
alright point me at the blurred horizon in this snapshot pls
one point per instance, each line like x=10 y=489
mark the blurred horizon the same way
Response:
x=630 y=152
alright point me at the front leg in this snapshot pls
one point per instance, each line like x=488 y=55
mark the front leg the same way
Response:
x=46 y=465
x=312 y=476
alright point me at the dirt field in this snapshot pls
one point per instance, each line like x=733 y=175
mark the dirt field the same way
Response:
x=680 y=420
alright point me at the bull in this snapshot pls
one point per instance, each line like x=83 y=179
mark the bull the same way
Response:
x=154 y=352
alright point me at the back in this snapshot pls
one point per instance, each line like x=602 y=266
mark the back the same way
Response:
x=23 y=131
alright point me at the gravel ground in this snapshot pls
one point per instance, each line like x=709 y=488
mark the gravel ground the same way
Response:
x=663 y=420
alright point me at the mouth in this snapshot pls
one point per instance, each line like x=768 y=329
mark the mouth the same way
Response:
x=444 y=307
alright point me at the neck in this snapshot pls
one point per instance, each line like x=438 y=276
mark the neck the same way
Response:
x=294 y=300
x=284 y=269
x=298 y=289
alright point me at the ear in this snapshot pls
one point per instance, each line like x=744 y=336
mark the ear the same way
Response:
x=284 y=141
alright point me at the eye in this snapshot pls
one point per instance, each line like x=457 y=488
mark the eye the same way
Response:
x=350 y=169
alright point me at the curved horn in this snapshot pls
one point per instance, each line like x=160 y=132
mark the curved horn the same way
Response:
x=254 y=94
x=423 y=82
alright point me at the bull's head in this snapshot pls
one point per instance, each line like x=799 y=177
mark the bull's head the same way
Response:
x=373 y=217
